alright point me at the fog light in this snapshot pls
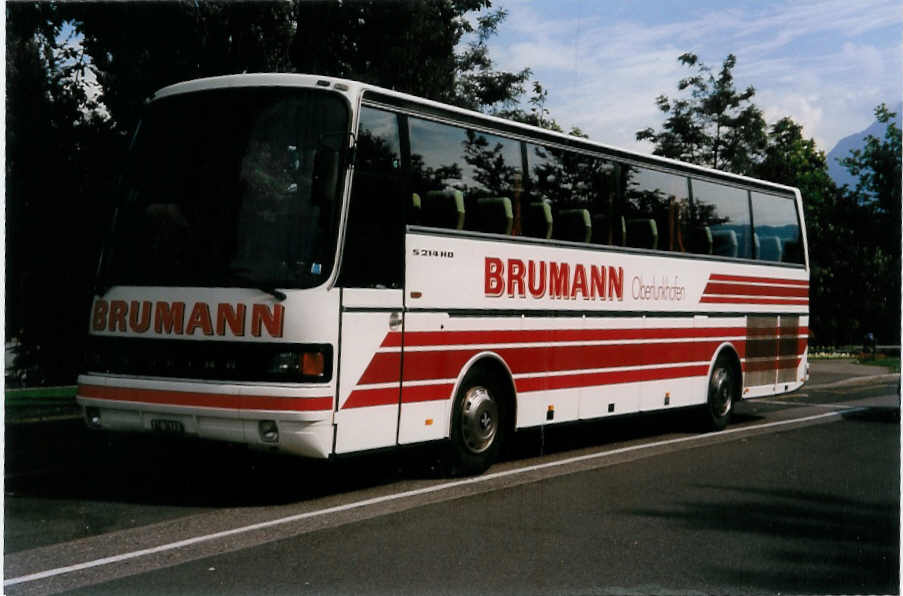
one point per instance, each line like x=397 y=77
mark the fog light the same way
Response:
x=269 y=432
x=92 y=416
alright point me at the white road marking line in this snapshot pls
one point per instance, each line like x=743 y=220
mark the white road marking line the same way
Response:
x=393 y=497
x=798 y=403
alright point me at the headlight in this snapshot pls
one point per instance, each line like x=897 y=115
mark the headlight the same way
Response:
x=308 y=364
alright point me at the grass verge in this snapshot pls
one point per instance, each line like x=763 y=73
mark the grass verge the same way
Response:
x=40 y=403
x=890 y=362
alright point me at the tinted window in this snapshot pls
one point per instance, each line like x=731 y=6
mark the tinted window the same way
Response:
x=656 y=208
x=608 y=220
x=494 y=183
x=437 y=161
x=564 y=191
x=378 y=142
x=722 y=214
x=778 y=236
x=465 y=178
x=375 y=230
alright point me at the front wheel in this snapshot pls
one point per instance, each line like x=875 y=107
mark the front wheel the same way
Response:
x=724 y=389
x=477 y=425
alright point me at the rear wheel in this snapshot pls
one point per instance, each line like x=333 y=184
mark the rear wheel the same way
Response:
x=478 y=427
x=724 y=390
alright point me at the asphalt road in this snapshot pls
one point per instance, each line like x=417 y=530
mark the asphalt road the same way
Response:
x=800 y=495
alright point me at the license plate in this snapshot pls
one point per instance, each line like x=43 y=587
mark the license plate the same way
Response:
x=167 y=426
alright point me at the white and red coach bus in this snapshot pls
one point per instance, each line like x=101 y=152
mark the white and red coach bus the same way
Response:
x=323 y=267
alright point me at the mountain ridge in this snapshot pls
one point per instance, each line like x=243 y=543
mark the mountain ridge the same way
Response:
x=842 y=149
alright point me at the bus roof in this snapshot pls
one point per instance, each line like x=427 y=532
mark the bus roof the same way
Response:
x=356 y=89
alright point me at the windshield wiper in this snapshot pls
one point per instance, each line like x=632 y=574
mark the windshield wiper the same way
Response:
x=278 y=295
x=239 y=276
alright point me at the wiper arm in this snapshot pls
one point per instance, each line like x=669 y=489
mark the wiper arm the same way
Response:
x=280 y=296
x=236 y=276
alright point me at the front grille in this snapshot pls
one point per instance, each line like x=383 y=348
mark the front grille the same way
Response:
x=208 y=360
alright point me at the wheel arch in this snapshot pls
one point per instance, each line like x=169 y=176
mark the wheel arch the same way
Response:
x=494 y=365
x=729 y=350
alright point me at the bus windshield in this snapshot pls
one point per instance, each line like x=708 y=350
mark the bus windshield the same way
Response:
x=231 y=187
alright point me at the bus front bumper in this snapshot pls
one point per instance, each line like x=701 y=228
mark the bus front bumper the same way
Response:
x=292 y=419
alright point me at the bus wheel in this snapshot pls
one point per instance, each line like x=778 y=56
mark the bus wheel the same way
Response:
x=477 y=424
x=723 y=391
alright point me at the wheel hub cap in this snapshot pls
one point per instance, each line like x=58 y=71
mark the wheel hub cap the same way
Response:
x=479 y=419
x=723 y=392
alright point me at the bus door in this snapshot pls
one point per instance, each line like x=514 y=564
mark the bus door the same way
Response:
x=369 y=369
x=429 y=363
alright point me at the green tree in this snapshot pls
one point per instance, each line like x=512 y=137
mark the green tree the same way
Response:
x=424 y=47
x=67 y=135
x=57 y=149
x=428 y=48
x=877 y=198
x=479 y=86
x=138 y=47
x=877 y=165
x=853 y=236
x=712 y=124
x=790 y=158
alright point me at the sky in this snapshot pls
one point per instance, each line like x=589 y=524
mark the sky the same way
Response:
x=824 y=63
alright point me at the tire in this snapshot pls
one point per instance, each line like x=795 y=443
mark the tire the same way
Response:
x=723 y=392
x=478 y=424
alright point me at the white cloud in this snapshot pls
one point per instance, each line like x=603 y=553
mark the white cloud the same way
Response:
x=825 y=63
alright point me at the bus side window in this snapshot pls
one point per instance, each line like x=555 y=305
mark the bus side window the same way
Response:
x=657 y=207
x=777 y=228
x=437 y=174
x=374 y=236
x=722 y=211
x=608 y=223
x=493 y=174
x=558 y=191
x=539 y=202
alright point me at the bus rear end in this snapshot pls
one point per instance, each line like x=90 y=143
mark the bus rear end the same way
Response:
x=214 y=315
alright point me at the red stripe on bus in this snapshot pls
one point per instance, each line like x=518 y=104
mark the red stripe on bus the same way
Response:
x=727 y=300
x=764 y=280
x=776 y=332
x=206 y=400
x=608 y=378
x=420 y=393
x=392 y=340
x=362 y=398
x=446 y=364
x=748 y=290
x=384 y=367
x=492 y=337
x=442 y=391
x=773 y=364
